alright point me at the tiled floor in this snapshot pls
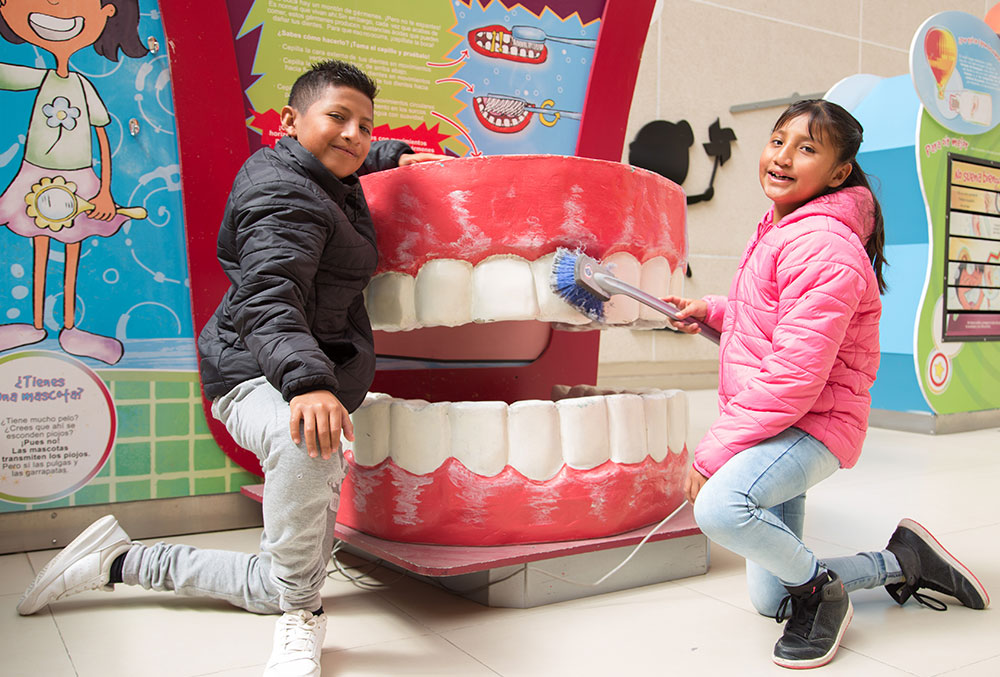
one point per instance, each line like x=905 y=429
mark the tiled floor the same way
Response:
x=697 y=626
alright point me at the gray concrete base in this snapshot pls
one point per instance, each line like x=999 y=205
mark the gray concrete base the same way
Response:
x=45 y=529
x=934 y=424
x=546 y=581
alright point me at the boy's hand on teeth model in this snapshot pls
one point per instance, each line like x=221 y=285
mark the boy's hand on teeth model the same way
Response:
x=322 y=418
x=413 y=158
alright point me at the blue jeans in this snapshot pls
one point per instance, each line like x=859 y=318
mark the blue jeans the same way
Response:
x=755 y=506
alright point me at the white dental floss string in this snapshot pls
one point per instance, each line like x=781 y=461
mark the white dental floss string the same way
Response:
x=624 y=562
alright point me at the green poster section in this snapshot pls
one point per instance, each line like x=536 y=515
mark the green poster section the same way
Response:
x=385 y=38
x=955 y=376
x=163 y=448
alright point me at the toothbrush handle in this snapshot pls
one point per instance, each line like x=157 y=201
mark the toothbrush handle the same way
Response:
x=579 y=42
x=613 y=285
x=572 y=115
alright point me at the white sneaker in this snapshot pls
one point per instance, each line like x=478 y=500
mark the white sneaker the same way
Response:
x=84 y=564
x=298 y=643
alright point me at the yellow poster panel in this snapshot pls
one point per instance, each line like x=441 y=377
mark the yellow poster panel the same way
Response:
x=975 y=176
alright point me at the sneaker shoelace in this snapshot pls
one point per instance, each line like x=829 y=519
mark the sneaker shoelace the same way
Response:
x=929 y=602
x=801 y=620
x=298 y=634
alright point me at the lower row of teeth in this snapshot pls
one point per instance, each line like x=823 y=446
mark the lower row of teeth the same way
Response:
x=535 y=437
x=451 y=292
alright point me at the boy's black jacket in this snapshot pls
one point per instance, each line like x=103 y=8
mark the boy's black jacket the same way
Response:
x=298 y=246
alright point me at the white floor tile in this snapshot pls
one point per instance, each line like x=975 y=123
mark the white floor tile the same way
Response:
x=675 y=631
x=429 y=655
x=988 y=668
x=15 y=573
x=30 y=645
x=922 y=641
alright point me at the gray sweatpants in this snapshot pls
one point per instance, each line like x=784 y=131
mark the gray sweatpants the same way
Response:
x=301 y=495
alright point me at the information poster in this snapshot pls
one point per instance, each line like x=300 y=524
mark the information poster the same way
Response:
x=956 y=70
x=56 y=429
x=972 y=250
x=99 y=394
x=462 y=77
x=957 y=356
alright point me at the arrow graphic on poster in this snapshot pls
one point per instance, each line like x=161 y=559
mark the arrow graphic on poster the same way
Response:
x=475 y=151
x=468 y=86
x=464 y=55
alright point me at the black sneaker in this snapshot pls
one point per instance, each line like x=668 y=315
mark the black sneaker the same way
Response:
x=821 y=612
x=926 y=564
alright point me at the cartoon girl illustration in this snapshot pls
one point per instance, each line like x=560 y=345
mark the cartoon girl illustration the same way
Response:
x=56 y=194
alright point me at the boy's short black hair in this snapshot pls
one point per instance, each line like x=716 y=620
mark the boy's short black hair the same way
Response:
x=332 y=73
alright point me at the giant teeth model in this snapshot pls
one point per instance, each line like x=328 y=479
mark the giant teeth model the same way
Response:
x=472 y=241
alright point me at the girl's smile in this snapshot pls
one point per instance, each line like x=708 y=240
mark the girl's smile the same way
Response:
x=795 y=167
x=63 y=29
x=54 y=28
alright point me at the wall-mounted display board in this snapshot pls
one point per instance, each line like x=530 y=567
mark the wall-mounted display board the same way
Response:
x=933 y=146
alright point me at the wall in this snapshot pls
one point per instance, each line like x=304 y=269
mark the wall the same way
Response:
x=701 y=57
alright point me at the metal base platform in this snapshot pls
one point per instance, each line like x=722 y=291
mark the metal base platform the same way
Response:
x=934 y=424
x=530 y=575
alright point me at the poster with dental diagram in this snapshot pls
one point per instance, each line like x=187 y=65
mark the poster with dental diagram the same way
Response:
x=460 y=77
x=972 y=250
x=955 y=56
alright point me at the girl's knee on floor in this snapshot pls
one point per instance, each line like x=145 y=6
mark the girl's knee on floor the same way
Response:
x=720 y=512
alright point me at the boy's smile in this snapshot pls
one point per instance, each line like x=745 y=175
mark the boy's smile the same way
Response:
x=336 y=128
x=795 y=167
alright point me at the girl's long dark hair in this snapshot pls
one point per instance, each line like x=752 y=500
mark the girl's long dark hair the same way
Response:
x=833 y=124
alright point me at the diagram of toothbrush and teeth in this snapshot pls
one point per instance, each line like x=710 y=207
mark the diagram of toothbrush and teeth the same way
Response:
x=508 y=114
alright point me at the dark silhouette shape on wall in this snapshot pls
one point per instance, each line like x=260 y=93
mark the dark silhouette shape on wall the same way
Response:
x=662 y=147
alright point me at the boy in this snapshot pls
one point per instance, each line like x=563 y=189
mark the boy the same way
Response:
x=287 y=355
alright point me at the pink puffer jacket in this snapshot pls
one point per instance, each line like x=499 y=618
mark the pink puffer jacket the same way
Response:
x=799 y=333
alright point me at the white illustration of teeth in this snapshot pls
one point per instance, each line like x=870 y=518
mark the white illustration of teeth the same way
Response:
x=501 y=111
x=502 y=43
x=450 y=292
x=582 y=430
x=54 y=28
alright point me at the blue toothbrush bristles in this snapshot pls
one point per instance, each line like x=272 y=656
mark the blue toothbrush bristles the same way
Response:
x=564 y=284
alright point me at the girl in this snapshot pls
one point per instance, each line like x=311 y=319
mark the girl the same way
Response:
x=799 y=353
x=58 y=148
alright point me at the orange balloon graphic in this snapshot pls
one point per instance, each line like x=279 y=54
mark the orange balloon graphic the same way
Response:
x=942 y=53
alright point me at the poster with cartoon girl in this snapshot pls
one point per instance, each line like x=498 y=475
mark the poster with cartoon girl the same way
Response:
x=56 y=193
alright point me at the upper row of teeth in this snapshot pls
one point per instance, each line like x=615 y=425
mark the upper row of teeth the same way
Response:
x=451 y=292
x=501 y=111
x=507 y=45
x=535 y=437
